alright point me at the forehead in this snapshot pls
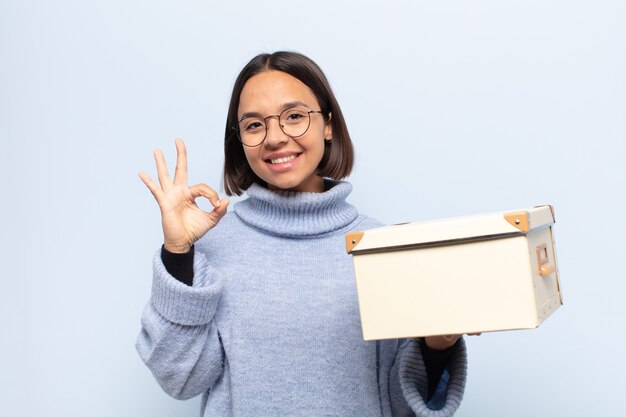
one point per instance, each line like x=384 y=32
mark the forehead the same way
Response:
x=268 y=91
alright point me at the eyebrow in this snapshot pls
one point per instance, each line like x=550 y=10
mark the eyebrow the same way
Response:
x=288 y=105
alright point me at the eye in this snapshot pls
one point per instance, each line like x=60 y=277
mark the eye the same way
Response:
x=252 y=125
x=294 y=116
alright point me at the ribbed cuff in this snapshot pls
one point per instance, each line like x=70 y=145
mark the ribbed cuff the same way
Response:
x=180 y=303
x=414 y=380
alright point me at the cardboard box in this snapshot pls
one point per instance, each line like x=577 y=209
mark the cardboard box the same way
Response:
x=462 y=275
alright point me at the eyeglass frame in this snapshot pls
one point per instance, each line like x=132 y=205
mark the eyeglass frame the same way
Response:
x=236 y=127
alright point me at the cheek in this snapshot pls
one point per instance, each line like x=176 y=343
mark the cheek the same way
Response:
x=317 y=134
x=320 y=139
x=254 y=160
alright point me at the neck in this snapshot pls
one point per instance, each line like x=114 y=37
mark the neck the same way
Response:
x=313 y=184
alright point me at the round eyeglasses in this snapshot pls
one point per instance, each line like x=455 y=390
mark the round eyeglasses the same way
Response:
x=294 y=122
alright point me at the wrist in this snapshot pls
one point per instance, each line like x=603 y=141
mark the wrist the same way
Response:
x=177 y=248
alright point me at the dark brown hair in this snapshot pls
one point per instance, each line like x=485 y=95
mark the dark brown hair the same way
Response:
x=338 y=156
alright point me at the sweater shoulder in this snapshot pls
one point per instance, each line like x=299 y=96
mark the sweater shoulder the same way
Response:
x=364 y=222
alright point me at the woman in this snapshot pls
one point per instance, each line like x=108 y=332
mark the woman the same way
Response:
x=260 y=314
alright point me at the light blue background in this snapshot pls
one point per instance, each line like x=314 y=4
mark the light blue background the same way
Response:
x=455 y=108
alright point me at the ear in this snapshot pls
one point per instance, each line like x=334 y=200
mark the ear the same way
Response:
x=328 y=128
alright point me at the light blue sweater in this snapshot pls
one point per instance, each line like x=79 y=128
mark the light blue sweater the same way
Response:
x=271 y=324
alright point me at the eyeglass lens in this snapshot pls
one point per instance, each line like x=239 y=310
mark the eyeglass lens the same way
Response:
x=293 y=122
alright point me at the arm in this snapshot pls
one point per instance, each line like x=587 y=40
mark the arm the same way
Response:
x=435 y=361
x=179 y=341
x=179 y=265
x=408 y=382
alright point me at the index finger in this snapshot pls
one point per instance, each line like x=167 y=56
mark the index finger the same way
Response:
x=180 y=174
x=152 y=186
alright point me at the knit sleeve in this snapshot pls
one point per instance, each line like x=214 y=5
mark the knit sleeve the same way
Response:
x=179 y=341
x=408 y=382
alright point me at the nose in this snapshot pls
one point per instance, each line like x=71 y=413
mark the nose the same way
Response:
x=275 y=135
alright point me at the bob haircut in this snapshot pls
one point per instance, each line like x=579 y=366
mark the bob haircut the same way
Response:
x=338 y=157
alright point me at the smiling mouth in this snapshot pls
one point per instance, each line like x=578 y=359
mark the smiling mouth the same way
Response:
x=283 y=159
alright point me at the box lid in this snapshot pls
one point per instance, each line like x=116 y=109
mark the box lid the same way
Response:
x=452 y=230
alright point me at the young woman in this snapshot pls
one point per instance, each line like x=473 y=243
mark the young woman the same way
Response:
x=257 y=309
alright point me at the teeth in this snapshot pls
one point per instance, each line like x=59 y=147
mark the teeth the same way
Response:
x=283 y=160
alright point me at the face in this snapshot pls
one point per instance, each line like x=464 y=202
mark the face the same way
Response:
x=283 y=162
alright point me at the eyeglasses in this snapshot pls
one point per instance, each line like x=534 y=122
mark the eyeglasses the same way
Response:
x=294 y=122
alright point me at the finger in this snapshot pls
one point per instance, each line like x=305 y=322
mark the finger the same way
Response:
x=164 y=176
x=204 y=190
x=180 y=175
x=221 y=210
x=220 y=206
x=152 y=186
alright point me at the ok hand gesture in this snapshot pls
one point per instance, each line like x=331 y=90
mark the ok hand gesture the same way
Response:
x=183 y=221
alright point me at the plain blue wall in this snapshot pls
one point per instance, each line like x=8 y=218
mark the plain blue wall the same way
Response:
x=455 y=108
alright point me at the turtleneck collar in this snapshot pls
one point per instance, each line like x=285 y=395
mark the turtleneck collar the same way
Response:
x=298 y=214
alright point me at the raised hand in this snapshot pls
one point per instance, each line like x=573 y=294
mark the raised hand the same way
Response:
x=182 y=220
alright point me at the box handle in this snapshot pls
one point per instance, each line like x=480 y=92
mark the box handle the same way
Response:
x=545 y=269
